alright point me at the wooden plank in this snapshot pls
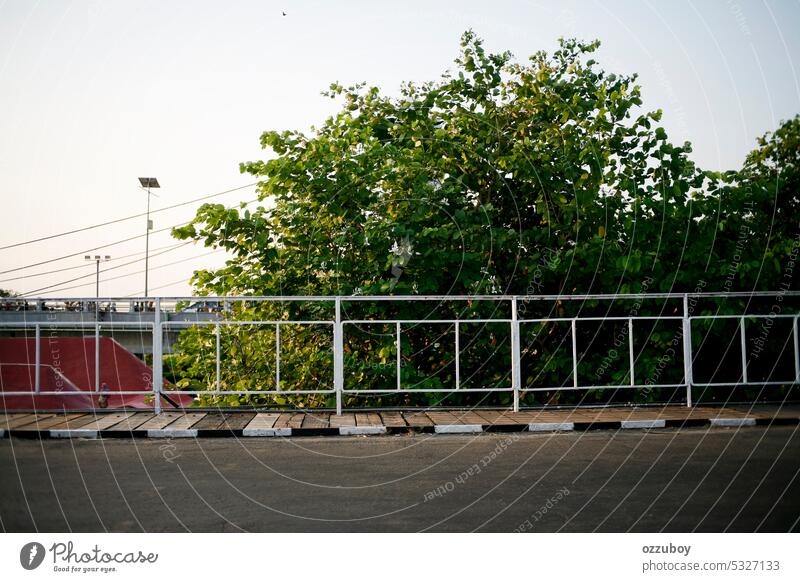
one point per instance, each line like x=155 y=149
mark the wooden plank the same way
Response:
x=469 y=417
x=283 y=420
x=50 y=422
x=23 y=420
x=417 y=419
x=236 y=420
x=443 y=417
x=296 y=421
x=393 y=419
x=368 y=419
x=346 y=419
x=76 y=422
x=769 y=412
x=316 y=420
x=263 y=420
x=17 y=420
x=489 y=416
x=210 y=421
x=132 y=422
x=186 y=421
x=501 y=417
x=161 y=420
x=527 y=416
x=105 y=421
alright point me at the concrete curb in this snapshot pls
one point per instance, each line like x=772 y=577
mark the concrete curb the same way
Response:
x=550 y=426
x=361 y=430
x=633 y=424
x=457 y=428
x=74 y=433
x=267 y=432
x=733 y=422
x=171 y=434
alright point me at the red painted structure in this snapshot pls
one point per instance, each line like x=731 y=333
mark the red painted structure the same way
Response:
x=67 y=364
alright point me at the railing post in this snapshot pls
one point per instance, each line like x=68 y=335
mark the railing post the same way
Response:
x=37 y=367
x=631 y=357
x=338 y=356
x=97 y=356
x=516 y=372
x=277 y=357
x=216 y=355
x=458 y=355
x=687 y=350
x=796 y=354
x=158 y=380
x=574 y=328
x=399 y=358
x=744 y=350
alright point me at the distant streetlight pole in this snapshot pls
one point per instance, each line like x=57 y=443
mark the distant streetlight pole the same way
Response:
x=97 y=259
x=147 y=184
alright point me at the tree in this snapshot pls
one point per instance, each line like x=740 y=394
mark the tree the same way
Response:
x=500 y=178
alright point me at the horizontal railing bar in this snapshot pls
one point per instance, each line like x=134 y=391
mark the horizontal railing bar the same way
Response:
x=243 y=392
x=746 y=316
x=318 y=298
x=77 y=324
x=393 y=321
x=609 y=318
x=82 y=393
x=423 y=390
x=749 y=383
x=234 y=322
x=607 y=387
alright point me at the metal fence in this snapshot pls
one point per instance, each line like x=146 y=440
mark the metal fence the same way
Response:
x=156 y=319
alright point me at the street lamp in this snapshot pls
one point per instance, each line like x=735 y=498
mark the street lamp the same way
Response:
x=97 y=259
x=147 y=184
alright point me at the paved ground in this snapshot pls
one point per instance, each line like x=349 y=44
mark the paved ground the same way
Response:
x=704 y=479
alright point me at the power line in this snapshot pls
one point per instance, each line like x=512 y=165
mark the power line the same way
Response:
x=86 y=251
x=117 y=220
x=86 y=265
x=126 y=274
x=159 y=287
x=105 y=246
x=93 y=274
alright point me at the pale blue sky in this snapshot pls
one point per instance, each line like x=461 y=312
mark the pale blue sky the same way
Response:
x=94 y=94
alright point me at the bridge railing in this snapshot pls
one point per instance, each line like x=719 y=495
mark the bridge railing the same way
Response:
x=339 y=315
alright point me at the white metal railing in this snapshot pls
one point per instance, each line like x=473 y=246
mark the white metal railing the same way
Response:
x=155 y=320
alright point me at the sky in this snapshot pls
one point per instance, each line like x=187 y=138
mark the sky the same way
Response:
x=95 y=93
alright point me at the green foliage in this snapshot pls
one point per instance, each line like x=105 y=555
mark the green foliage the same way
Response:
x=500 y=178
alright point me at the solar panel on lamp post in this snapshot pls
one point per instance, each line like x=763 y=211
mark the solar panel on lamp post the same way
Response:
x=147 y=184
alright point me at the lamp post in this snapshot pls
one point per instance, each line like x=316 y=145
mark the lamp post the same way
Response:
x=97 y=259
x=147 y=184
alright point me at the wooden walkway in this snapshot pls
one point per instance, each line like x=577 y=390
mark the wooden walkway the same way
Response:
x=134 y=423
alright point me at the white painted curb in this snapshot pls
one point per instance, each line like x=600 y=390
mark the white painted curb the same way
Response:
x=644 y=423
x=158 y=433
x=358 y=430
x=550 y=426
x=457 y=428
x=266 y=432
x=733 y=422
x=73 y=433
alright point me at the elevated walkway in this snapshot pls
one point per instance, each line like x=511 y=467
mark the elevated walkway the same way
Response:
x=183 y=424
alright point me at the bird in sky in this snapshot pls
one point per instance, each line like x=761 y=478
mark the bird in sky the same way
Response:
x=283 y=13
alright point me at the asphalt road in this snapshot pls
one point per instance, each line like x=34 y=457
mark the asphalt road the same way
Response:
x=662 y=480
